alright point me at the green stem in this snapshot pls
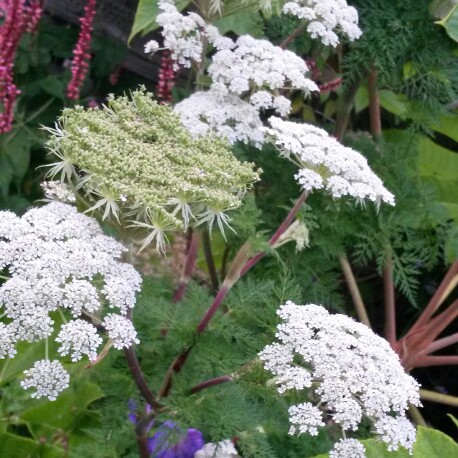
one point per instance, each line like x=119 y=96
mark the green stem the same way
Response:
x=293 y=35
x=5 y=366
x=374 y=105
x=360 y=308
x=62 y=316
x=390 y=305
x=206 y=243
x=416 y=416
x=428 y=395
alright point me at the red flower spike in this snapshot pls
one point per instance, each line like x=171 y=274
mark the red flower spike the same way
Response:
x=81 y=54
x=18 y=17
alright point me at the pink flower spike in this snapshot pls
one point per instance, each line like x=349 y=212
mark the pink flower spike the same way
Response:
x=81 y=54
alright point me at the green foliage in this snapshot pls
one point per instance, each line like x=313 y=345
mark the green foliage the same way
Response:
x=430 y=443
x=411 y=54
x=450 y=22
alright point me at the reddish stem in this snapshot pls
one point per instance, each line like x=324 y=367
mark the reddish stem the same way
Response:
x=390 y=306
x=293 y=35
x=436 y=300
x=212 y=309
x=211 y=382
x=425 y=361
x=138 y=375
x=442 y=343
x=374 y=104
x=439 y=323
x=278 y=233
x=206 y=243
x=235 y=273
x=188 y=267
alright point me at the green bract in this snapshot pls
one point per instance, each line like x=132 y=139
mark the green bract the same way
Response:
x=134 y=157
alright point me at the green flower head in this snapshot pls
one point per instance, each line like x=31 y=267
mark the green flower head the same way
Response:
x=134 y=158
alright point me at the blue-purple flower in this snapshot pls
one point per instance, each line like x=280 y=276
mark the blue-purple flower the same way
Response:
x=186 y=444
x=169 y=441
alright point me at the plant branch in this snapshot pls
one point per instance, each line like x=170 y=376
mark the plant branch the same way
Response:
x=293 y=35
x=437 y=299
x=416 y=415
x=278 y=233
x=425 y=361
x=354 y=291
x=343 y=115
x=142 y=444
x=188 y=267
x=374 y=104
x=239 y=266
x=211 y=382
x=438 y=324
x=210 y=261
x=138 y=375
x=428 y=395
x=390 y=305
x=442 y=343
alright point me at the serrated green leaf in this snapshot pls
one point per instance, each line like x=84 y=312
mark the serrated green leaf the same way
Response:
x=394 y=103
x=450 y=23
x=145 y=16
x=361 y=99
x=439 y=166
x=453 y=419
x=12 y=446
x=18 y=153
x=447 y=125
x=63 y=413
x=6 y=175
x=432 y=443
x=242 y=24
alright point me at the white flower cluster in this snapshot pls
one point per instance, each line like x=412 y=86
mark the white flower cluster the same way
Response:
x=256 y=68
x=247 y=76
x=246 y=80
x=58 y=258
x=48 y=378
x=56 y=190
x=325 y=18
x=352 y=371
x=184 y=35
x=324 y=163
x=347 y=448
x=230 y=117
x=348 y=369
x=223 y=449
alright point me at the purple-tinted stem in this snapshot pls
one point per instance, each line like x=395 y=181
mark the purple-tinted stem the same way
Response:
x=138 y=375
x=390 y=304
x=278 y=233
x=211 y=382
x=210 y=261
x=250 y=263
x=188 y=267
x=212 y=309
x=436 y=300
x=180 y=360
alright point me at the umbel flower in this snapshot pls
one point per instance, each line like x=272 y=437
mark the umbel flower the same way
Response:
x=246 y=81
x=324 y=163
x=134 y=160
x=343 y=370
x=59 y=263
x=325 y=18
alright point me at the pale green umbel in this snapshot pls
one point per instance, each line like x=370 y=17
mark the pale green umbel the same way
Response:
x=134 y=159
